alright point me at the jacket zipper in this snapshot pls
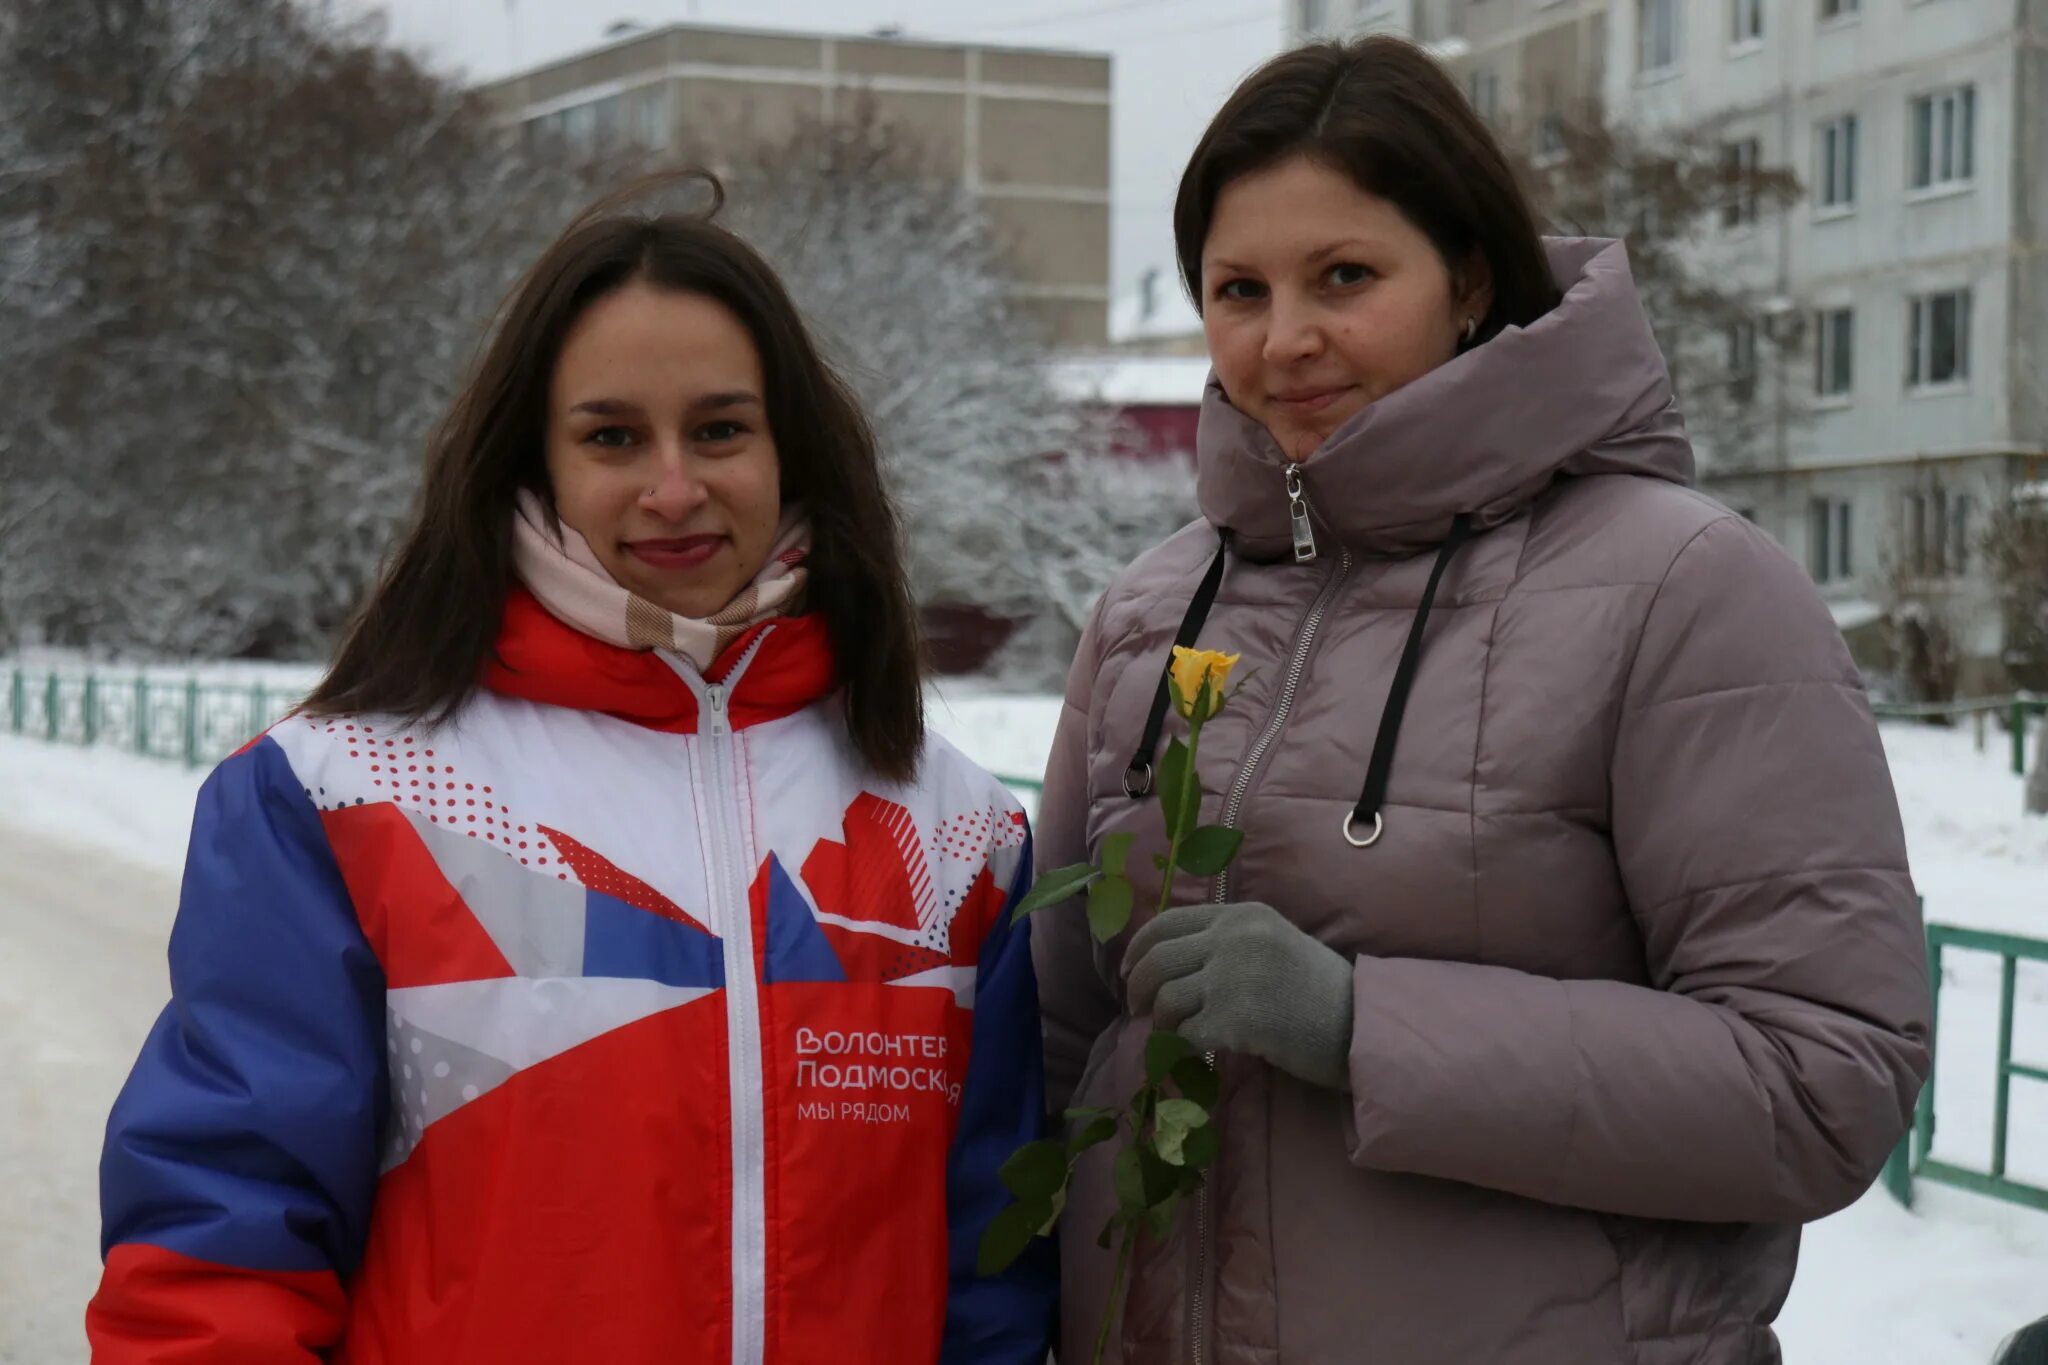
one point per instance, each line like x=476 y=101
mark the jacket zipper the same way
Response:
x=726 y=847
x=1297 y=666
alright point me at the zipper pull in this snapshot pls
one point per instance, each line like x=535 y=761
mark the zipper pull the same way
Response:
x=717 y=723
x=1297 y=518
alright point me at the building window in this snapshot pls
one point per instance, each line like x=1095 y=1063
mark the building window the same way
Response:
x=1938 y=339
x=1657 y=33
x=651 y=131
x=1944 y=138
x=1738 y=167
x=1483 y=88
x=1835 y=353
x=1834 y=171
x=1937 y=533
x=1745 y=21
x=1313 y=14
x=1742 y=360
x=1550 y=137
x=1828 y=555
x=1839 y=9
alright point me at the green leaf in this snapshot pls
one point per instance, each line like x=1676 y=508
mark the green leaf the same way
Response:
x=1196 y=1080
x=1055 y=887
x=1208 y=850
x=1127 y=1178
x=1171 y=1126
x=1007 y=1235
x=1160 y=1179
x=1109 y=907
x=1164 y=1050
x=1160 y=1220
x=1159 y=861
x=1115 y=849
x=1180 y=790
x=1180 y=702
x=1052 y=1221
x=1202 y=1147
x=1093 y=1133
x=1037 y=1170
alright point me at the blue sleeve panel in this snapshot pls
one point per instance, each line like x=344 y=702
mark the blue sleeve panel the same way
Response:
x=1006 y=1319
x=247 y=1134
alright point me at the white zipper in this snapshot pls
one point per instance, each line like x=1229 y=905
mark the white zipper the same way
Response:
x=725 y=846
x=1297 y=666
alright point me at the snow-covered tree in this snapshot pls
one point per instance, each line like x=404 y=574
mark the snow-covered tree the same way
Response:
x=245 y=251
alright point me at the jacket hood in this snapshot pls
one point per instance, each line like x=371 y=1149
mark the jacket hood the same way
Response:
x=1582 y=390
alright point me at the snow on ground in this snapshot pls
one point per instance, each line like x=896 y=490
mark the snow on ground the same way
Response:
x=90 y=844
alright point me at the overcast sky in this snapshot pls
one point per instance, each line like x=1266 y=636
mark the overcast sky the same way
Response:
x=1175 y=60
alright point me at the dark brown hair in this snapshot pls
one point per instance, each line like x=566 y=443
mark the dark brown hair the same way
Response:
x=1382 y=112
x=416 y=646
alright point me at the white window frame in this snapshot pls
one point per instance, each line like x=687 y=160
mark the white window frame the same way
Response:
x=1834 y=355
x=1745 y=25
x=1482 y=89
x=1660 y=38
x=1834 y=165
x=1743 y=155
x=1830 y=556
x=1741 y=340
x=1946 y=122
x=1921 y=316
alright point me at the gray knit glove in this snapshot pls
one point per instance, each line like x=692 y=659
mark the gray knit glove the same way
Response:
x=1241 y=978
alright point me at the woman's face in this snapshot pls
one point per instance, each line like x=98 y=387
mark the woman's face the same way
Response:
x=658 y=446
x=1319 y=298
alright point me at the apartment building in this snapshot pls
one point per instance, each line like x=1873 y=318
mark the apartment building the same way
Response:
x=1026 y=130
x=1910 y=285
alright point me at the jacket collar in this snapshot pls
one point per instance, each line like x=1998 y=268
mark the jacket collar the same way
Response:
x=1582 y=390
x=788 y=665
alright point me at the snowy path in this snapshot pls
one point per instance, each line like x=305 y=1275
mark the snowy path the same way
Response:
x=82 y=977
x=82 y=940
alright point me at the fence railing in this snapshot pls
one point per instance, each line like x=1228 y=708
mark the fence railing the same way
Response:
x=2017 y=706
x=1911 y=1161
x=188 y=720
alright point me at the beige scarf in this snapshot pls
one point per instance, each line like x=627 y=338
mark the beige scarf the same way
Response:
x=562 y=572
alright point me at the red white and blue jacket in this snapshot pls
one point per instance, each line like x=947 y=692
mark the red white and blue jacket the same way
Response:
x=625 y=1018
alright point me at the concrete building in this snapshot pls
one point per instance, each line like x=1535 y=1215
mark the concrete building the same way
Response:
x=1912 y=281
x=1027 y=130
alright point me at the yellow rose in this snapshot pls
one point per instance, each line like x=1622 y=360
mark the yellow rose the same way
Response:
x=1193 y=667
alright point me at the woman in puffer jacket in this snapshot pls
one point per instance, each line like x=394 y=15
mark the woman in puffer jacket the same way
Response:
x=604 y=965
x=1571 y=961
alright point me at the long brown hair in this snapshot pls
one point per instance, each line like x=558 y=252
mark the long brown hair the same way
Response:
x=1382 y=112
x=416 y=646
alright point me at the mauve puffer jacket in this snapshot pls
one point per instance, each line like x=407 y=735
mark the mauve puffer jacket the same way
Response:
x=1639 y=981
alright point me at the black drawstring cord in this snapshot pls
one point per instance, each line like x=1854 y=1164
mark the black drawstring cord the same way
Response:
x=1138 y=776
x=1382 y=765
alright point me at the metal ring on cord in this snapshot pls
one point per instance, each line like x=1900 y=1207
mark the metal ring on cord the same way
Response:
x=1379 y=827
x=1136 y=786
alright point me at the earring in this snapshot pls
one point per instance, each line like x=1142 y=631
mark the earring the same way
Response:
x=1471 y=329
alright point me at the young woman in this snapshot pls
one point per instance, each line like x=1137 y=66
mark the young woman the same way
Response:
x=605 y=964
x=1571 y=960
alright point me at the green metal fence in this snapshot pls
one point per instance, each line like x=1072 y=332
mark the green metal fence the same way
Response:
x=2016 y=708
x=197 y=723
x=187 y=720
x=1911 y=1162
